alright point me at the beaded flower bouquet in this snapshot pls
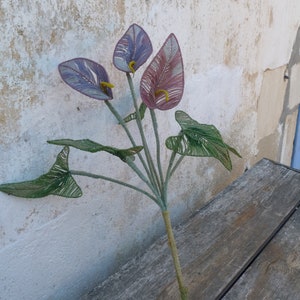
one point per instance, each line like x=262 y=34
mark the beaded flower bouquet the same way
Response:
x=161 y=87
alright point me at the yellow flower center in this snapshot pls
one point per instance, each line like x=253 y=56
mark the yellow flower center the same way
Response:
x=157 y=92
x=131 y=65
x=104 y=85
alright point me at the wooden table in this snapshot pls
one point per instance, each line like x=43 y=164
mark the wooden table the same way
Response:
x=245 y=244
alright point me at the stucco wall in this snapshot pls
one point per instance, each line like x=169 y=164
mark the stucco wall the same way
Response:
x=236 y=54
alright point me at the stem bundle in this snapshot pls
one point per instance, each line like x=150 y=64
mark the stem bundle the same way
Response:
x=152 y=176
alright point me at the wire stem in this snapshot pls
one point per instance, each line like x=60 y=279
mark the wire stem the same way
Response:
x=95 y=176
x=172 y=244
x=153 y=174
x=121 y=121
x=158 y=159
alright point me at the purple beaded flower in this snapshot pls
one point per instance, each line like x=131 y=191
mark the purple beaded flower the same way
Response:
x=86 y=77
x=163 y=81
x=132 y=50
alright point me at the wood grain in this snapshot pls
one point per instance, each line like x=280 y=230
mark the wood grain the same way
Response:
x=275 y=274
x=216 y=244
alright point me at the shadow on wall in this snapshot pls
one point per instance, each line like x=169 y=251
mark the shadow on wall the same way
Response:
x=278 y=108
x=288 y=119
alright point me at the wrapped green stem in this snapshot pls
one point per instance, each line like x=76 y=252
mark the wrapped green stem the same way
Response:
x=153 y=173
x=172 y=244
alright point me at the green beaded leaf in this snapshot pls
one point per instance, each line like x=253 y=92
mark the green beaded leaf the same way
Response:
x=90 y=146
x=132 y=116
x=202 y=140
x=58 y=181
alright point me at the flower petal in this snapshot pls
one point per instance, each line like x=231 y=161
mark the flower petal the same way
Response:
x=86 y=76
x=132 y=50
x=162 y=83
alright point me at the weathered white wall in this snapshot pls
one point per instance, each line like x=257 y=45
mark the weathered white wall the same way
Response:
x=235 y=53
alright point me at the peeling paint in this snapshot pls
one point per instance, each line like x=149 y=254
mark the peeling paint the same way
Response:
x=271 y=101
x=271 y=17
x=290 y=106
x=268 y=147
x=235 y=54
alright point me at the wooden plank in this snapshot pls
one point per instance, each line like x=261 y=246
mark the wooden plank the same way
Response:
x=246 y=216
x=275 y=274
x=217 y=244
